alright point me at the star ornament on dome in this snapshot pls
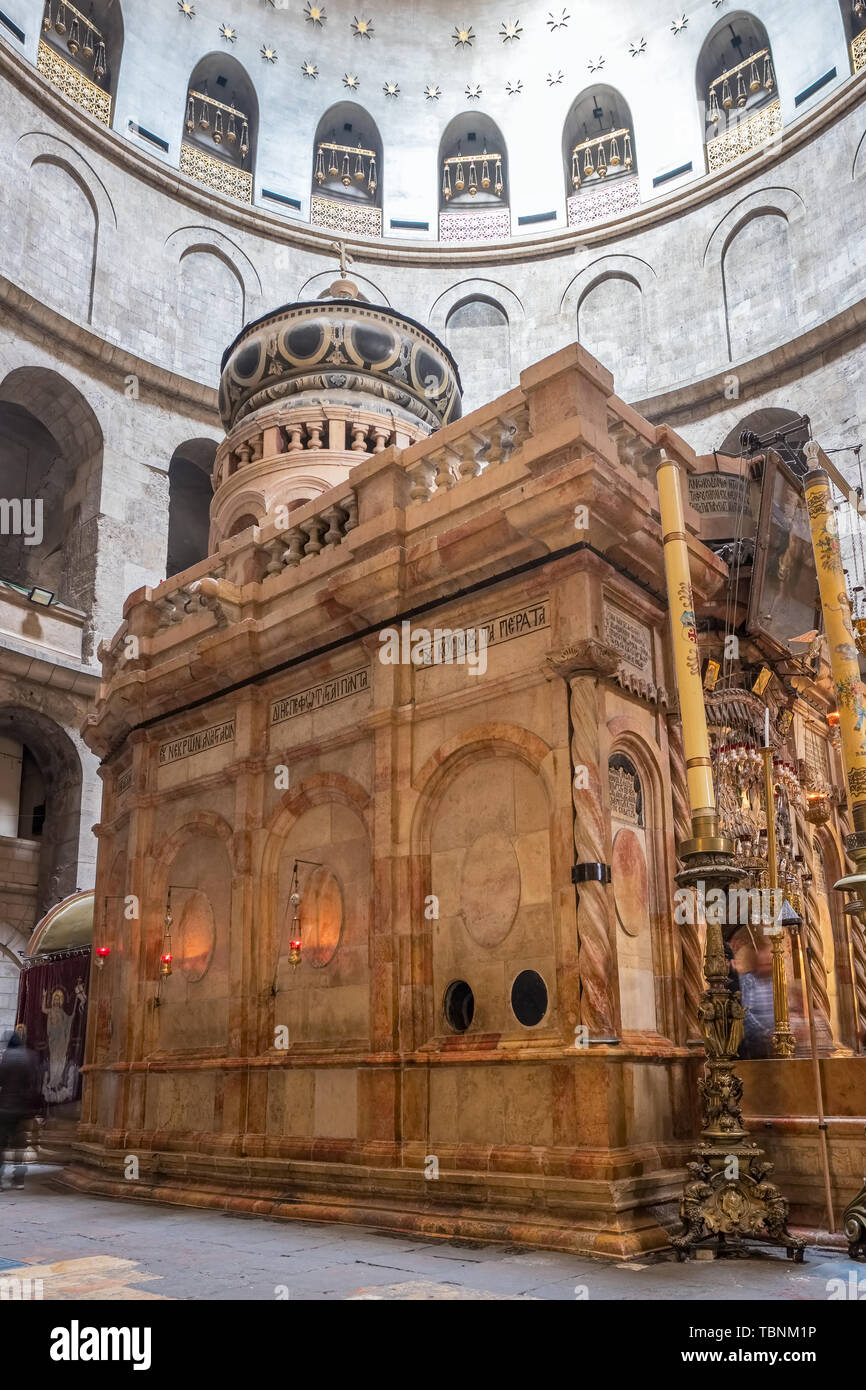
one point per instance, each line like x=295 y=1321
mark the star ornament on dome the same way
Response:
x=269 y=54
x=315 y=14
x=351 y=80
x=391 y=89
x=560 y=23
x=228 y=32
x=309 y=69
x=554 y=78
x=679 y=24
x=186 y=8
x=363 y=28
x=596 y=64
x=432 y=92
x=511 y=31
x=635 y=49
x=514 y=88
x=473 y=91
x=463 y=36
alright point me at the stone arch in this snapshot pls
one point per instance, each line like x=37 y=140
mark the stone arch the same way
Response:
x=758 y=317
x=60 y=250
x=52 y=436
x=611 y=320
x=628 y=738
x=478 y=336
x=210 y=310
x=223 y=79
x=190 y=493
x=250 y=502
x=600 y=178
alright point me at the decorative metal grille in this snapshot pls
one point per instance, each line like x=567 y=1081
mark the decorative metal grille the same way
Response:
x=475 y=226
x=216 y=173
x=345 y=217
x=858 y=52
x=747 y=135
x=602 y=203
x=73 y=84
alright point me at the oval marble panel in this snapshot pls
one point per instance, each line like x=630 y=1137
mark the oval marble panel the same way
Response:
x=321 y=915
x=630 y=882
x=197 y=936
x=490 y=889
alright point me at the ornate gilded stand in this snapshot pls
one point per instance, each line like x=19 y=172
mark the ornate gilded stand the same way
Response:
x=728 y=1200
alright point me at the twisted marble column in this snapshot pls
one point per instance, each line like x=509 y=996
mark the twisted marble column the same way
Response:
x=858 y=937
x=693 y=961
x=812 y=914
x=591 y=845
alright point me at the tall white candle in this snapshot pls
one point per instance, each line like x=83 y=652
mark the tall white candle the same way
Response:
x=767 y=727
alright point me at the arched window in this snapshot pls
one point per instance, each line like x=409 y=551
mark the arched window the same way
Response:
x=347 y=172
x=221 y=127
x=80 y=53
x=599 y=157
x=610 y=324
x=478 y=335
x=190 y=492
x=854 y=19
x=736 y=85
x=632 y=876
x=473 y=180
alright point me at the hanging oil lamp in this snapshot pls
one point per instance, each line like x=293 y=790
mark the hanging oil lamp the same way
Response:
x=204 y=115
x=218 y=127
x=627 y=156
x=600 y=161
x=89 y=40
x=345 y=176
x=60 y=22
x=245 y=140
x=371 y=183
x=754 y=79
x=190 y=113
x=473 y=179
x=359 y=166
x=166 y=957
x=742 y=94
x=588 y=166
x=497 y=186
x=320 y=166
x=99 y=62
x=295 y=943
x=714 y=115
x=459 y=177
x=614 y=160
x=73 y=43
x=446 y=183
x=46 y=18
x=485 y=170
x=769 y=79
x=232 y=131
x=727 y=99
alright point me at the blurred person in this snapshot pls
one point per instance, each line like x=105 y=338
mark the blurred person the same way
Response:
x=19 y=1103
x=753 y=963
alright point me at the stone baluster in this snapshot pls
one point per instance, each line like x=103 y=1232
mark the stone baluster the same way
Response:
x=359 y=438
x=245 y=453
x=314 y=528
x=334 y=517
x=444 y=476
x=295 y=437
x=420 y=474
x=470 y=465
x=314 y=432
x=349 y=505
x=276 y=549
x=381 y=435
x=258 y=444
x=297 y=541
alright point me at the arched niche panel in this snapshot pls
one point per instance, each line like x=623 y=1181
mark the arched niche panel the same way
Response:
x=326 y=999
x=759 y=284
x=854 y=20
x=472 y=168
x=60 y=239
x=210 y=296
x=190 y=492
x=599 y=156
x=222 y=111
x=610 y=324
x=347 y=157
x=194 y=1003
x=88 y=39
x=490 y=874
x=736 y=82
x=478 y=334
x=634 y=894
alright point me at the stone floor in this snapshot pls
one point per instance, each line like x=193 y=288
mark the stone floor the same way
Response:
x=96 y=1248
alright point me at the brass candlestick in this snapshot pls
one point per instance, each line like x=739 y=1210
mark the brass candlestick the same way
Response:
x=727 y=1200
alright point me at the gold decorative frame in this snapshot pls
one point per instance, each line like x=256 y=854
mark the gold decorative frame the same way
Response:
x=217 y=174
x=858 y=52
x=73 y=84
x=747 y=135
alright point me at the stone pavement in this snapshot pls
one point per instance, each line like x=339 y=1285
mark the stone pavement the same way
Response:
x=97 y=1248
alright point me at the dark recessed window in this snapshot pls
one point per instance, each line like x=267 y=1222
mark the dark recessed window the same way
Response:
x=459 y=1005
x=529 y=998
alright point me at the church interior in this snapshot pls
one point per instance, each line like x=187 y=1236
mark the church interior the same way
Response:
x=432 y=706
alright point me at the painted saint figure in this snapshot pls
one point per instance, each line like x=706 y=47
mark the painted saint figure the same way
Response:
x=60 y=1080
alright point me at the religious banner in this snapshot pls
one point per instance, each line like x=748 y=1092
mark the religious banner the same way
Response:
x=52 y=1012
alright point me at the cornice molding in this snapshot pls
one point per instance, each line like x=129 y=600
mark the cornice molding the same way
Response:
x=110 y=143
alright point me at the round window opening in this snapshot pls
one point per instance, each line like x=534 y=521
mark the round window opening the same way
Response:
x=459 y=1005
x=529 y=998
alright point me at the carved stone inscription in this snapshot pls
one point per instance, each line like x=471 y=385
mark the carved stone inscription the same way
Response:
x=631 y=639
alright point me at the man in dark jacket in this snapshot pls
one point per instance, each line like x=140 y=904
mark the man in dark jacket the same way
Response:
x=19 y=1102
